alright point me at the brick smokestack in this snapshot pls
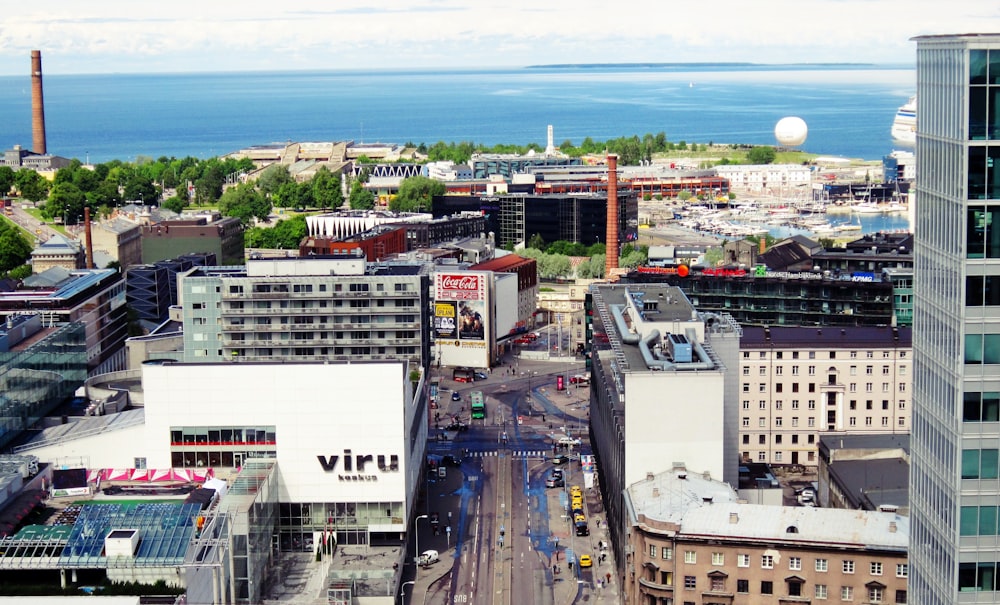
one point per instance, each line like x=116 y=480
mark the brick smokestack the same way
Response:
x=611 y=238
x=90 y=242
x=37 y=104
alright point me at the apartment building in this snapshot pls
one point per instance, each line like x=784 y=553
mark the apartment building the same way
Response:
x=690 y=540
x=798 y=383
x=306 y=309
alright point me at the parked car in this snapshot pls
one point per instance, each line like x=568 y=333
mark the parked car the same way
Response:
x=428 y=557
x=481 y=376
x=522 y=340
x=456 y=396
x=554 y=481
x=560 y=459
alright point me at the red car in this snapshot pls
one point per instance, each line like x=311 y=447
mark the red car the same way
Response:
x=522 y=341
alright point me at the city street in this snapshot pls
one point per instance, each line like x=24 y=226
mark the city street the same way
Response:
x=511 y=538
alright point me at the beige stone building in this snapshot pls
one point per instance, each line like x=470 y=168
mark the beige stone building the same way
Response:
x=691 y=541
x=118 y=240
x=797 y=383
x=58 y=251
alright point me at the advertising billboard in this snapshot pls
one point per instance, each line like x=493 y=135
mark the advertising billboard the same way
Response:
x=462 y=316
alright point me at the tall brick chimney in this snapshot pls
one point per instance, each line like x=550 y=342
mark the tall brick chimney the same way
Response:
x=37 y=104
x=611 y=237
x=87 y=237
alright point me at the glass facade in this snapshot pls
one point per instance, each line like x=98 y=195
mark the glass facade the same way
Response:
x=956 y=433
x=36 y=379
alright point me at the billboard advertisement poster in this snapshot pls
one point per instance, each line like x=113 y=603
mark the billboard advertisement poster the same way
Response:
x=460 y=286
x=445 y=320
x=471 y=320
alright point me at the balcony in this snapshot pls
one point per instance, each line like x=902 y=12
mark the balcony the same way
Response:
x=659 y=588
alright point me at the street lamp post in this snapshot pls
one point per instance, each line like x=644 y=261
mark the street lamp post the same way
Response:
x=416 y=536
x=402 y=587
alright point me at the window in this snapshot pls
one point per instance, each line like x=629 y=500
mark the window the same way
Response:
x=767 y=561
x=766 y=587
x=718 y=583
x=795 y=370
x=869 y=370
x=854 y=404
x=979 y=464
x=820 y=591
x=852 y=421
x=743 y=586
x=901 y=597
x=777 y=455
x=777 y=421
x=690 y=556
x=875 y=594
x=812 y=422
x=902 y=570
x=778 y=403
x=746 y=370
x=718 y=558
x=822 y=565
x=875 y=568
x=652 y=550
x=848 y=566
x=762 y=422
x=746 y=439
x=690 y=582
x=742 y=560
x=761 y=456
x=812 y=404
x=746 y=421
x=812 y=369
x=746 y=387
x=846 y=593
x=762 y=371
x=854 y=370
x=762 y=404
x=140 y=463
x=795 y=563
x=795 y=404
x=778 y=370
x=666 y=553
x=762 y=387
x=746 y=404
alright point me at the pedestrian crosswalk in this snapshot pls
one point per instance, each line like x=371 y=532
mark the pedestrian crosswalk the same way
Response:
x=512 y=454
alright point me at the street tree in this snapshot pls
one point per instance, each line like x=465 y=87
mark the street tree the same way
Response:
x=65 y=201
x=326 y=189
x=416 y=194
x=15 y=249
x=6 y=179
x=245 y=203
x=361 y=198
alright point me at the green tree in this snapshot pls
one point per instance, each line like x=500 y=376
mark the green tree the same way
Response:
x=361 y=198
x=15 y=249
x=326 y=189
x=713 y=256
x=244 y=202
x=273 y=178
x=536 y=241
x=6 y=180
x=761 y=154
x=416 y=194
x=66 y=200
x=31 y=185
x=175 y=204
x=208 y=188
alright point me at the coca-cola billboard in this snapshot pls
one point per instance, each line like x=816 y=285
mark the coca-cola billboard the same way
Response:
x=460 y=286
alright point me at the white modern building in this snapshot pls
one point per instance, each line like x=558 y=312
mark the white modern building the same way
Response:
x=348 y=439
x=955 y=473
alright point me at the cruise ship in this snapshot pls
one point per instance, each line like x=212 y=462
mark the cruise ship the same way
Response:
x=904 y=126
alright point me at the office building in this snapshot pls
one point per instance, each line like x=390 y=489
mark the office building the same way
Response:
x=954 y=487
x=798 y=383
x=660 y=390
x=220 y=236
x=691 y=540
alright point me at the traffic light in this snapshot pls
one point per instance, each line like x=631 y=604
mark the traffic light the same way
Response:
x=560 y=383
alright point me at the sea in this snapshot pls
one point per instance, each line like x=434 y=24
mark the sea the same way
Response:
x=100 y=117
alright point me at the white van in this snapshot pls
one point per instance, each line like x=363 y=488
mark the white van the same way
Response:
x=568 y=441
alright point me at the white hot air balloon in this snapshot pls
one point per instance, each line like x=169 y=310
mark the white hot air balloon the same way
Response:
x=791 y=131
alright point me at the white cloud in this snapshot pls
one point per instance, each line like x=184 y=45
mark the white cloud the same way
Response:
x=119 y=36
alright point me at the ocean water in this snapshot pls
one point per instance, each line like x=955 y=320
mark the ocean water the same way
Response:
x=848 y=109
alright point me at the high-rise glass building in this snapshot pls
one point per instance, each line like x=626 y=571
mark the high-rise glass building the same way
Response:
x=955 y=471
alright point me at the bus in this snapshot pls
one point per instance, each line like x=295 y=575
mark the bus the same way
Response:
x=478 y=405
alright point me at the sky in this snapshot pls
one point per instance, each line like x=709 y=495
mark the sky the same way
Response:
x=134 y=36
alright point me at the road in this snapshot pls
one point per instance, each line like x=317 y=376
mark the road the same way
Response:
x=513 y=535
x=39 y=229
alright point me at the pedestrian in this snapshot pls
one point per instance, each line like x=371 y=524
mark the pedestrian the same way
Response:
x=608 y=576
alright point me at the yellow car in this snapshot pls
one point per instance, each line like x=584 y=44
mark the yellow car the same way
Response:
x=577 y=503
x=575 y=491
x=579 y=518
x=586 y=561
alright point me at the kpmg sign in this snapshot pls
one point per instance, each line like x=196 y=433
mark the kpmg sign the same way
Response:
x=356 y=467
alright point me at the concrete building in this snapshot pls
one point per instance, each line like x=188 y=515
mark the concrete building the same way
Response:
x=117 y=240
x=767 y=178
x=798 y=383
x=58 y=251
x=691 y=540
x=213 y=234
x=954 y=479
x=660 y=390
x=306 y=309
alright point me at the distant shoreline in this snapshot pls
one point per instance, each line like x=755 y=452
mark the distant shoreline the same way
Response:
x=711 y=64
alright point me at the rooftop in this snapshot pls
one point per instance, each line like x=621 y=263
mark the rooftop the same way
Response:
x=848 y=337
x=700 y=508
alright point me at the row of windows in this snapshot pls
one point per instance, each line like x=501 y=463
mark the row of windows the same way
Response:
x=762 y=439
x=981 y=407
x=847 y=566
x=307 y=288
x=833 y=355
x=980 y=464
x=875 y=594
x=778 y=457
x=811 y=422
x=979 y=521
x=982 y=348
x=762 y=387
x=779 y=370
x=778 y=404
